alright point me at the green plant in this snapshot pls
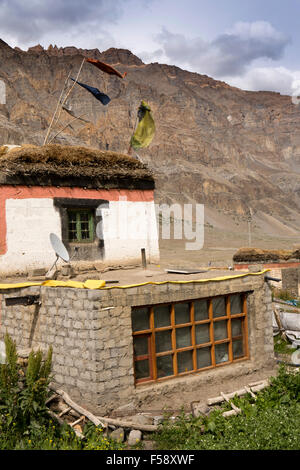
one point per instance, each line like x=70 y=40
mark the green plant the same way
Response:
x=272 y=421
x=23 y=391
x=24 y=421
x=9 y=386
x=281 y=346
x=96 y=439
x=33 y=396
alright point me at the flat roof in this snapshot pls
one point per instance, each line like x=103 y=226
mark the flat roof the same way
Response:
x=136 y=276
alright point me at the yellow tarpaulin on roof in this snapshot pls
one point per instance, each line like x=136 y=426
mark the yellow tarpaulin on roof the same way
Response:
x=90 y=284
x=98 y=284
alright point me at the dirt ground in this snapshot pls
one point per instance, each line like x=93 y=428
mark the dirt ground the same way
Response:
x=174 y=403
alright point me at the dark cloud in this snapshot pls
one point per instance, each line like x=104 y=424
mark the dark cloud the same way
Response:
x=31 y=20
x=230 y=53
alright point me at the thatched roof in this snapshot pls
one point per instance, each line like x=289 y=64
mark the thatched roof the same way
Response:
x=62 y=165
x=248 y=255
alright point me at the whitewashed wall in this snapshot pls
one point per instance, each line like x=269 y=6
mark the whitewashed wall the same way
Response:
x=127 y=227
x=29 y=223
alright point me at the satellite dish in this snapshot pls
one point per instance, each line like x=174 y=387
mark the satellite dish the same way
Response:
x=59 y=248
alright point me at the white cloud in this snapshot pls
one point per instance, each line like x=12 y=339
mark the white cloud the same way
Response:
x=278 y=79
x=229 y=54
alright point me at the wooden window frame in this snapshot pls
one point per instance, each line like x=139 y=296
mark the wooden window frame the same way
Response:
x=91 y=217
x=211 y=320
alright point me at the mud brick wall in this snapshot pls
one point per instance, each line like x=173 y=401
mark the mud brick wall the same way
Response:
x=291 y=279
x=91 y=335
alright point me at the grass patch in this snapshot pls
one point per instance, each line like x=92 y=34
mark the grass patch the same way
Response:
x=272 y=422
x=282 y=347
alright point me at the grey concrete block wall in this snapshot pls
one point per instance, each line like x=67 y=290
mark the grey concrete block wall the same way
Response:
x=91 y=335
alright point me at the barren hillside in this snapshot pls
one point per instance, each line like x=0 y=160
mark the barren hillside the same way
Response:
x=229 y=149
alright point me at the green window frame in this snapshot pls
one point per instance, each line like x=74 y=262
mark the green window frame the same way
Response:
x=80 y=225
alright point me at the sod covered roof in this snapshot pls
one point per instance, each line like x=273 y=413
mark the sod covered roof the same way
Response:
x=250 y=255
x=64 y=165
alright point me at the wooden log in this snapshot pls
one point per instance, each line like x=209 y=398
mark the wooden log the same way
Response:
x=279 y=324
x=127 y=424
x=253 y=384
x=220 y=399
x=63 y=412
x=62 y=422
x=77 y=421
x=51 y=398
x=227 y=414
x=257 y=388
x=248 y=390
x=235 y=408
x=96 y=421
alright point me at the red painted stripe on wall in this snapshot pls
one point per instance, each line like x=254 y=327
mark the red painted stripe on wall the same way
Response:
x=39 y=192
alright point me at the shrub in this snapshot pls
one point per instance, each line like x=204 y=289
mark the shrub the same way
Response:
x=23 y=392
x=24 y=421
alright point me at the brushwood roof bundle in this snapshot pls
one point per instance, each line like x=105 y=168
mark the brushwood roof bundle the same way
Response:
x=64 y=165
x=257 y=254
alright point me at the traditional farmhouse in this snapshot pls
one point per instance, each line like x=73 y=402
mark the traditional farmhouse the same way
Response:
x=138 y=341
x=100 y=204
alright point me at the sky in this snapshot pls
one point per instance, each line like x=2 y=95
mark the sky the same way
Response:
x=252 y=44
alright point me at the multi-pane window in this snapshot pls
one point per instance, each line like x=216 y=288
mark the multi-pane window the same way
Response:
x=80 y=225
x=183 y=337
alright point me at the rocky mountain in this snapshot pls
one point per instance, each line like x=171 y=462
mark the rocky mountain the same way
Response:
x=215 y=144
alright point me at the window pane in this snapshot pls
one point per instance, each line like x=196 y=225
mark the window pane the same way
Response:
x=140 y=345
x=220 y=330
x=237 y=349
x=164 y=366
x=202 y=334
x=236 y=304
x=72 y=226
x=203 y=357
x=221 y=353
x=219 y=307
x=161 y=316
x=183 y=337
x=236 y=327
x=84 y=225
x=201 y=310
x=84 y=216
x=163 y=341
x=142 y=369
x=140 y=319
x=185 y=361
x=182 y=313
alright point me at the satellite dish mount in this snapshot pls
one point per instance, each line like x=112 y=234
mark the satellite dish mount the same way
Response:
x=60 y=250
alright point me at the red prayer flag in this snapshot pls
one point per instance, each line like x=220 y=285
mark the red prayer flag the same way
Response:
x=106 y=68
